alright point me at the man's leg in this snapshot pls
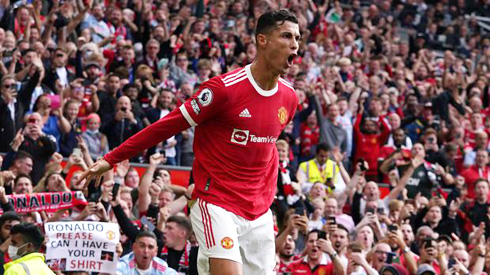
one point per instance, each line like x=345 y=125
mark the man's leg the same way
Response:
x=257 y=246
x=216 y=232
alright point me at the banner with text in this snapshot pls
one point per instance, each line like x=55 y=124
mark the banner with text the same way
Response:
x=82 y=246
x=52 y=201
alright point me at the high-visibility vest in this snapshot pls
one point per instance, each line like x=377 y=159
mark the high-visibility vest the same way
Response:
x=313 y=173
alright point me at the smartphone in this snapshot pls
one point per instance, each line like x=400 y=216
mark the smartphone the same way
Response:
x=362 y=166
x=390 y=257
x=370 y=210
x=392 y=228
x=299 y=211
x=322 y=235
x=331 y=220
x=148 y=223
x=77 y=152
x=380 y=210
x=450 y=263
x=95 y=197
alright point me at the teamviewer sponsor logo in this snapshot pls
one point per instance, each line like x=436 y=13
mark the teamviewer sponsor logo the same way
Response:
x=240 y=136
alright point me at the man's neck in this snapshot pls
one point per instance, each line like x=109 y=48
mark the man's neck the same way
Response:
x=314 y=262
x=143 y=267
x=265 y=77
x=481 y=200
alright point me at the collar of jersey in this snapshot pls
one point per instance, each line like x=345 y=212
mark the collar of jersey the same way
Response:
x=261 y=91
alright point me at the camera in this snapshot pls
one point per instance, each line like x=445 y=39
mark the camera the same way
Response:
x=124 y=109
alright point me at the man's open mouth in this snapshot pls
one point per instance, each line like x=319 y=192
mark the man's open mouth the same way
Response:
x=291 y=58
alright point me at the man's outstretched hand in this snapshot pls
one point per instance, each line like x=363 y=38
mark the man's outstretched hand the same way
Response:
x=95 y=171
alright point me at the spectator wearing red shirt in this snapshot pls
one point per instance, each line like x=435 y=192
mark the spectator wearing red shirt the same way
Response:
x=479 y=170
x=369 y=138
x=315 y=261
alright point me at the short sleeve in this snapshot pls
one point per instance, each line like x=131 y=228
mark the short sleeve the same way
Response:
x=205 y=103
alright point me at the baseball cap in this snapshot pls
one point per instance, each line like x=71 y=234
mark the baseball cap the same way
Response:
x=426 y=269
x=90 y=64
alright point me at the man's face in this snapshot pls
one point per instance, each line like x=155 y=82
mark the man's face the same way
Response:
x=380 y=255
x=114 y=84
x=407 y=232
x=434 y=215
x=132 y=93
x=93 y=72
x=331 y=207
x=399 y=137
x=29 y=57
x=339 y=239
x=283 y=152
x=481 y=190
x=182 y=62
x=343 y=106
x=165 y=198
x=322 y=157
x=144 y=250
x=280 y=46
x=24 y=166
x=152 y=49
x=8 y=88
x=371 y=191
x=333 y=112
x=463 y=257
x=394 y=121
x=165 y=99
x=116 y=17
x=173 y=234
x=23 y=186
x=126 y=196
x=418 y=149
x=6 y=228
x=59 y=58
x=288 y=247
x=481 y=158
x=312 y=250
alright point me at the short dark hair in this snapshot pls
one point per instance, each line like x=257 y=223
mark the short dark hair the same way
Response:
x=129 y=86
x=342 y=227
x=30 y=233
x=321 y=147
x=20 y=176
x=9 y=216
x=21 y=155
x=271 y=19
x=182 y=222
x=145 y=233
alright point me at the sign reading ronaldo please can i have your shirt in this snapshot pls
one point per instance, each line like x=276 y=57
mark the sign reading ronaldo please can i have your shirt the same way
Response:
x=82 y=246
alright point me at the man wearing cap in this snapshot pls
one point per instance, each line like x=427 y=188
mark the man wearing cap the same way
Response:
x=92 y=70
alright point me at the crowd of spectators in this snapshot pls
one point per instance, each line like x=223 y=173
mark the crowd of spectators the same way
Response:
x=383 y=170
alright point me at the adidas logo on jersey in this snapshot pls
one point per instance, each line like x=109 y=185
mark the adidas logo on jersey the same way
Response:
x=245 y=113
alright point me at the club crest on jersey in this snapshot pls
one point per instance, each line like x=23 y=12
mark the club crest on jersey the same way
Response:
x=227 y=243
x=205 y=97
x=282 y=114
x=240 y=136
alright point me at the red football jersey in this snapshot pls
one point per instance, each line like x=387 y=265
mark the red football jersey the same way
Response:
x=237 y=125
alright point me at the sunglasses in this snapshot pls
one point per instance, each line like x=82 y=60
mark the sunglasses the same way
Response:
x=60 y=55
x=8 y=86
